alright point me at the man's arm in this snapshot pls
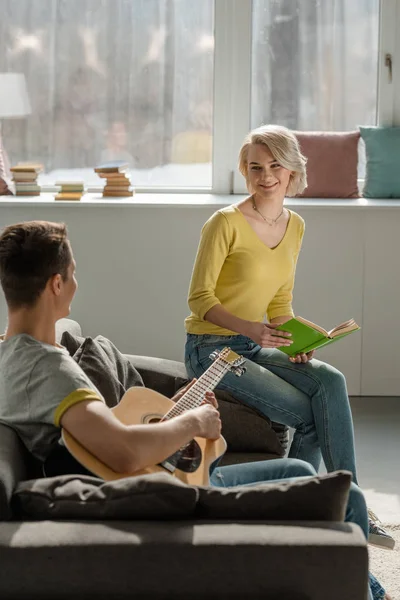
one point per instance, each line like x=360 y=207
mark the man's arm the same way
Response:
x=129 y=448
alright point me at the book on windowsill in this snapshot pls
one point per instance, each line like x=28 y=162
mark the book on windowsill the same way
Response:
x=117 y=176
x=68 y=196
x=307 y=336
x=114 y=194
x=118 y=188
x=27 y=168
x=116 y=166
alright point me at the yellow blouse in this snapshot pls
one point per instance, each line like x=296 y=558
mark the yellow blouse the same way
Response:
x=235 y=268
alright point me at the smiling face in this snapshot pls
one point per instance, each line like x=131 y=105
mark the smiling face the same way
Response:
x=265 y=176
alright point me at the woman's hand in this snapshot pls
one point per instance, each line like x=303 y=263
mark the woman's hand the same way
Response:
x=266 y=336
x=302 y=358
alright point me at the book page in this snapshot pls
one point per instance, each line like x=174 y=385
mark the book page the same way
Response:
x=345 y=327
x=313 y=325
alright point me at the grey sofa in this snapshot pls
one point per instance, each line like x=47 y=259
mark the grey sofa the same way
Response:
x=174 y=559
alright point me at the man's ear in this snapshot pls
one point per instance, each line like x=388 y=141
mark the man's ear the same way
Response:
x=54 y=284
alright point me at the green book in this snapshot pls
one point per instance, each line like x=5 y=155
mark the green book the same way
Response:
x=308 y=336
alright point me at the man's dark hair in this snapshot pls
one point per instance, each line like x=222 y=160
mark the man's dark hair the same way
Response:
x=31 y=253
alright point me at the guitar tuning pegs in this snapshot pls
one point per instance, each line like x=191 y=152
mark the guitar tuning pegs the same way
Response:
x=239 y=371
x=214 y=355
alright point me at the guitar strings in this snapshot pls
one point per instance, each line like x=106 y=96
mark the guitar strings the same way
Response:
x=207 y=382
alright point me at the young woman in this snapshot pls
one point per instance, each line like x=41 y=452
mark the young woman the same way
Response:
x=241 y=290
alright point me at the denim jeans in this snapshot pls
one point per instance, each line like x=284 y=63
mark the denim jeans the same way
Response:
x=283 y=469
x=311 y=398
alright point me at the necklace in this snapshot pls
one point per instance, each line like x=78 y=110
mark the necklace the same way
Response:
x=267 y=219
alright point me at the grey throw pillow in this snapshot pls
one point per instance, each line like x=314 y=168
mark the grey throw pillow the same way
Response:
x=110 y=370
x=158 y=496
x=322 y=498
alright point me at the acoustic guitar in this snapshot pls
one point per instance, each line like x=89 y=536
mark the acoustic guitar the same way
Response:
x=191 y=463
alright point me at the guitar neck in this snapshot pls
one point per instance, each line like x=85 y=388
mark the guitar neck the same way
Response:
x=195 y=395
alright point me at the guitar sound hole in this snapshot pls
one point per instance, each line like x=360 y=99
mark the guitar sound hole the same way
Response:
x=154 y=420
x=187 y=459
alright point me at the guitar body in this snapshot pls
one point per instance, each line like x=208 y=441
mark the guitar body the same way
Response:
x=142 y=406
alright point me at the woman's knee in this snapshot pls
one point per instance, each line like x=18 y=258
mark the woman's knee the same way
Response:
x=333 y=377
x=301 y=468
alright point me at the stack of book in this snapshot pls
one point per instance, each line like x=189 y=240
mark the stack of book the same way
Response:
x=70 y=190
x=25 y=178
x=117 y=182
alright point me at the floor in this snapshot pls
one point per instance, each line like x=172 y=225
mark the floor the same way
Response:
x=377 y=434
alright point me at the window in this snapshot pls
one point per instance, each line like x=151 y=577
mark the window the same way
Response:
x=173 y=86
x=315 y=63
x=113 y=79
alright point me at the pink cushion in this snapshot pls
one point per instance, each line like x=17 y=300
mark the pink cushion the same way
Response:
x=332 y=163
x=5 y=175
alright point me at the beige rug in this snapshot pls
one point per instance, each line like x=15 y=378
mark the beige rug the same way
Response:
x=385 y=564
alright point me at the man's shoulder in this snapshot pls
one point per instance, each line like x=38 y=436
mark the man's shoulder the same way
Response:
x=24 y=347
x=22 y=355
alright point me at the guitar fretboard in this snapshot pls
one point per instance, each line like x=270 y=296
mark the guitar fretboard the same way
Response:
x=195 y=396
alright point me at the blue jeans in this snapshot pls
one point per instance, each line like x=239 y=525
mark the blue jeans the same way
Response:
x=311 y=398
x=285 y=468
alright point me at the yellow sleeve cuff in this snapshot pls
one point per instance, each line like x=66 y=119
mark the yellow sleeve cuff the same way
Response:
x=74 y=398
x=280 y=312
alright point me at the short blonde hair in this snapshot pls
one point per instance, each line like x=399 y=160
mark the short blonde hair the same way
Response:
x=284 y=147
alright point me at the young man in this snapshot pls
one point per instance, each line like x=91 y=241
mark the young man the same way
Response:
x=42 y=388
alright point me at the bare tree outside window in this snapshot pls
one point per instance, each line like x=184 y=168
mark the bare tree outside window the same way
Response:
x=315 y=64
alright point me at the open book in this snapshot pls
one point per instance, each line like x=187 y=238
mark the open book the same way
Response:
x=308 y=336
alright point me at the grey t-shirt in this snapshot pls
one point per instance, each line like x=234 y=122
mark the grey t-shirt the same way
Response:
x=38 y=383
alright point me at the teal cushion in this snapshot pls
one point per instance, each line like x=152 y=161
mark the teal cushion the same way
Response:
x=382 y=149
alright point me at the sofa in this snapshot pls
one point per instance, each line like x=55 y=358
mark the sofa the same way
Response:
x=222 y=557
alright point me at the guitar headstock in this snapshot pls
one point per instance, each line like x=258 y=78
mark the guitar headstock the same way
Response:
x=233 y=360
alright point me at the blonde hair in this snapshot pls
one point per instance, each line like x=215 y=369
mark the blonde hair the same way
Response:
x=284 y=147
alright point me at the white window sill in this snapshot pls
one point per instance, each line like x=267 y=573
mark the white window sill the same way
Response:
x=192 y=199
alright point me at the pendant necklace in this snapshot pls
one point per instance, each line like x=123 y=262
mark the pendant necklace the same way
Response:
x=268 y=220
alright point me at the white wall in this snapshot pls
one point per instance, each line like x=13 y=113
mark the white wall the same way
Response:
x=134 y=264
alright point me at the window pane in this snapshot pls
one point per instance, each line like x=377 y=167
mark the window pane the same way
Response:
x=113 y=79
x=315 y=63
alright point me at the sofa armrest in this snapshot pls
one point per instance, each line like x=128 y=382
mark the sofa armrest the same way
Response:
x=160 y=374
x=69 y=325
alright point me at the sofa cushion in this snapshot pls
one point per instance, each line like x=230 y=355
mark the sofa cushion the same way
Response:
x=156 y=496
x=332 y=159
x=110 y=371
x=160 y=496
x=182 y=560
x=382 y=149
x=245 y=429
x=321 y=498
